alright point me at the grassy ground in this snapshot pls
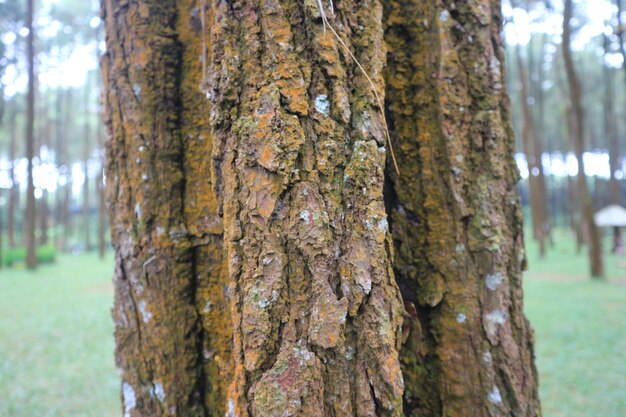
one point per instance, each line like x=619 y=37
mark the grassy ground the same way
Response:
x=56 y=345
x=56 y=348
x=580 y=328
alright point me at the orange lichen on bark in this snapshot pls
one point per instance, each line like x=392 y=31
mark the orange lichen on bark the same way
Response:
x=172 y=321
x=454 y=213
x=299 y=167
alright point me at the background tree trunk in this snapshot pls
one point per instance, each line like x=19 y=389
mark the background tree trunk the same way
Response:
x=578 y=125
x=30 y=218
x=533 y=157
x=455 y=214
x=86 y=157
x=172 y=322
x=14 y=191
x=299 y=167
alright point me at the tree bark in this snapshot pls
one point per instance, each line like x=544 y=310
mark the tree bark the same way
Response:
x=577 y=135
x=455 y=213
x=30 y=218
x=299 y=166
x=172 y=322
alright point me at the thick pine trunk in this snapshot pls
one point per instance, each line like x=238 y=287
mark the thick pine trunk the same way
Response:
x=577 y=135
x=30 y=217
x=172 y=323
x=455 y=214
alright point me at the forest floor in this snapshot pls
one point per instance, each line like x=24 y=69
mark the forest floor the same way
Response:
x=56 y=345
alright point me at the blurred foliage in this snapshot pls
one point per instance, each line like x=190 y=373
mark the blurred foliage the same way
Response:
x=45 y=255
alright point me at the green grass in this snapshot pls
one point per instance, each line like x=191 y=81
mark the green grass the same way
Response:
x=56 y=343
x=580 y=328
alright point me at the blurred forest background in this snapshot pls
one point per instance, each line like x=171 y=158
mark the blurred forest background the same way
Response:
x=567 y=85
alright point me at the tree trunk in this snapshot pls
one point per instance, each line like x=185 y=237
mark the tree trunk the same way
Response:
x=299 y=167
x=30 y=218
x=610 y=129
x=43 y=218
x=14 y=191
x=620 y=33
x=533 y=157
x=86 y=155
x=172 y=321
x=455 y=214
x=302 y=281
x=586 y=205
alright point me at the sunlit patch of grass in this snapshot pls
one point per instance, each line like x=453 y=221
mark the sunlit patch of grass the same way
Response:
x=580 y=328
x=56 y=342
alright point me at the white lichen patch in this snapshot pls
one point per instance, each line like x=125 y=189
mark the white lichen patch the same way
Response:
x=128 y=396
x=138 y=211
x=493 y=320
x=158 y=391
x=444 y=15
x=493 y=281
x=306 y=216
x=349 y=355
x=460 y=248
x=487 y=358
x=231 y=408
x=146 y=315
x=383 y=225
x=494 y=395
x=322 y=105
x=461 y=318
x=207 y=307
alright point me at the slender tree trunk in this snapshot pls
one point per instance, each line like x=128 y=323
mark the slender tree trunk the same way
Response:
x=610 y=129
x=533 y=157
x=299 y=167
x=14 y=191
x=86 y=157
x=64 y=160
x=43 y=218
x=621 y=28
x=586 y=205
x=535 y=91
x=455 y=214
x=172 y=319
x=30 y=218
x=58 y=149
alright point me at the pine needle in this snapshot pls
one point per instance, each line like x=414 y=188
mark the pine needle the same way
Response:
x=326 y=23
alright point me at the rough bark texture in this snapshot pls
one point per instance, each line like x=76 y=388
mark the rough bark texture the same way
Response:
x=577 y=134
x=455 y=214
x=30 y=217
x=299 y=162
x=172 y=323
